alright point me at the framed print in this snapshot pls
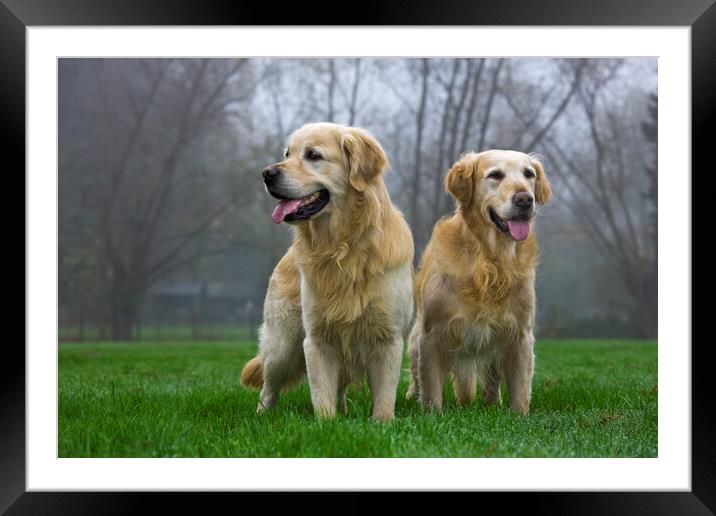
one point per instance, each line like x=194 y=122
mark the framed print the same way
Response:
x=150 y=134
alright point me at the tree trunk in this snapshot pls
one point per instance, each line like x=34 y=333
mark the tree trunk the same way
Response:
x=82 y=323
x=419 y=124
x=331 y=89
x=194 y=324
x=122 y=324
x=353 y=108
x=646 y=311
x=649 y=326
x=438 y=190
x=102 y=329
x=251 y=320
x=125 y=302
x=488 y=107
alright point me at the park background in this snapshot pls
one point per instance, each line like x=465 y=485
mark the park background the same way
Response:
x=165 y=228
x=166 y=245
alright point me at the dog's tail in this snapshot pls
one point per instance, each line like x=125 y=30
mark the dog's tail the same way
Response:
x=252 y=375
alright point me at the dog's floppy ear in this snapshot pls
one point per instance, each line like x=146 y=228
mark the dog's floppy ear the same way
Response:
x=366 y=158
x=543 y=192
x=459 y=181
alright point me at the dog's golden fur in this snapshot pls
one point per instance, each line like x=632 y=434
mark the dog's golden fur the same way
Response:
x=340 y=301
x=475 y=287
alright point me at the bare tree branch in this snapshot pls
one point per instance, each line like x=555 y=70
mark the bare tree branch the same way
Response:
x=560 y=109
x=472 y=105
x=488 y=107
x=419 y=126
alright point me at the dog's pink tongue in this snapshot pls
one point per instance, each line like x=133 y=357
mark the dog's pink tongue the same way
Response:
x=519 y=229
x=283 y=208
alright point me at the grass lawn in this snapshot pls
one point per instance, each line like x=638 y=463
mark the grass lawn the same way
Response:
x=167 y=399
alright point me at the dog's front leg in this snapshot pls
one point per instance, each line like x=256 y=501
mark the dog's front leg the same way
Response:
x=520 y=369
x=383 y=377
x=436 y=358
x=323 y=368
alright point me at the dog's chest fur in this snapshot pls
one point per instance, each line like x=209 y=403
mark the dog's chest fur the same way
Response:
x=365 y=322
x=483 y=342
x=376 y=308
x=494 y=323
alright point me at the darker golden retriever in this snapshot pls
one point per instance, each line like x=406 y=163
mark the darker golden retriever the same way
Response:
x=475 y=289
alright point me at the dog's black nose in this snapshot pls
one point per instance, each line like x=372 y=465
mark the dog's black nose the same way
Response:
x=270 y=173
x=523 y=199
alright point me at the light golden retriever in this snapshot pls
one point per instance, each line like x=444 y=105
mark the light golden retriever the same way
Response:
x=475 y=289
x=342 y=296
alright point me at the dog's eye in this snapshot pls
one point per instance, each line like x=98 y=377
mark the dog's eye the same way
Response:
x=312 y=155
x=285 y=153
x=496 y=174
x=529 y=174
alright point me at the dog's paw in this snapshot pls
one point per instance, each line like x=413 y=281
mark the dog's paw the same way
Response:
x=383 y=418
x=412 y=393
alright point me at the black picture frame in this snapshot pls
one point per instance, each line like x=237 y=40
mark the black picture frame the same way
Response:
x=16 y=15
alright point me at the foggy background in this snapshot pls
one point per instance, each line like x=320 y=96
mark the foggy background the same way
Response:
x=165 y=228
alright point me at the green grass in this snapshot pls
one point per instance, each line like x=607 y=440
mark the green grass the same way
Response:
x=590 y=399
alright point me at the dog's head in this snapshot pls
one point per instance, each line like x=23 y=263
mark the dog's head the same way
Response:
x=499 y=188
x=322 y=165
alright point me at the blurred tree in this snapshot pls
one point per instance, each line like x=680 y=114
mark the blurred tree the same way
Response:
x=153 y=155
x=650 y=130
x=651 y=195
x=420 y=121
x=355 y=89
x=154 y=214
x=598 y=185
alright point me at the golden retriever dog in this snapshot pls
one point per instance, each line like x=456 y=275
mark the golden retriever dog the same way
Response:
x=340 y=302
x=475 y=288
